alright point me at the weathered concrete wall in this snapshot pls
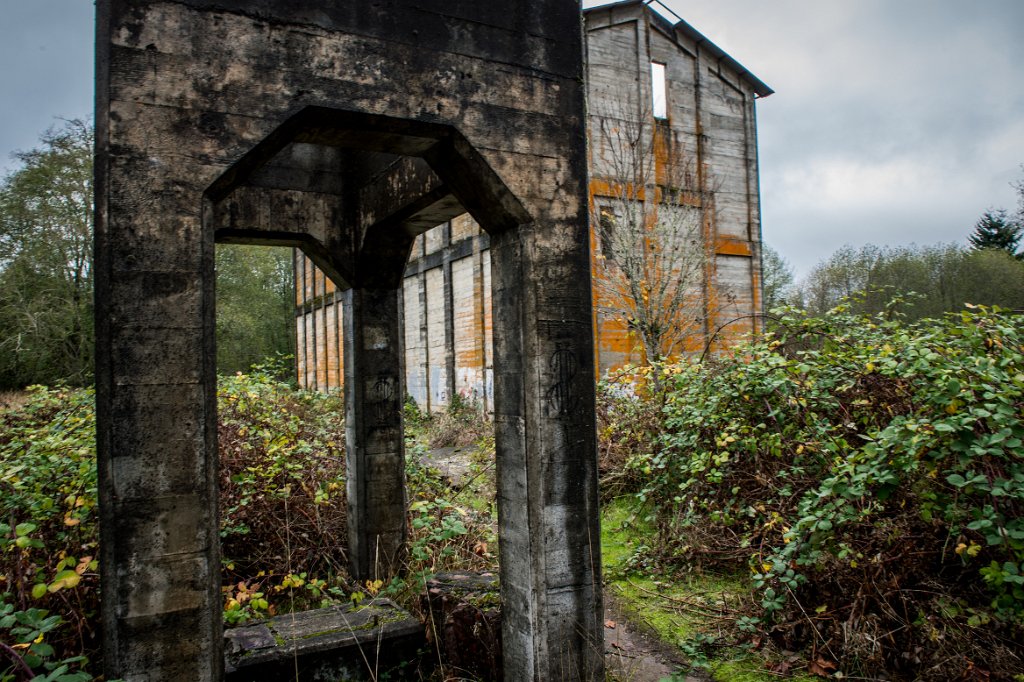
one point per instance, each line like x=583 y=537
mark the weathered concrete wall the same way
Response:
x=711 y=124
x=204 y=107
x=705 y=146
x=320 y=359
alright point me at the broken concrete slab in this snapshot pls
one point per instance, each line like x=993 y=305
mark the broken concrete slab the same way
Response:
x=463 y=614
x=335 y=643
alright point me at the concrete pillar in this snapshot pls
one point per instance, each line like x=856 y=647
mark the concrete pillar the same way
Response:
x=547 y=471
x=449 y=311
x=156 y=435
x=375 y=452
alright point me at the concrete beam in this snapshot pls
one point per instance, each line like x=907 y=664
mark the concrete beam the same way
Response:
x=287 y=217
x=394 y=190
x=402 y=201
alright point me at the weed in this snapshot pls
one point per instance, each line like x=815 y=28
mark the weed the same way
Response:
x=28 y=652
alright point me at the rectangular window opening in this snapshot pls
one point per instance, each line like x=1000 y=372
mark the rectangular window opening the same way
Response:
x=606 y=232
x=659 y=91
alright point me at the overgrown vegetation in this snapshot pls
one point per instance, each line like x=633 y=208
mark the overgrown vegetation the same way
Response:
x=868 y=476
x=844 y=496
x=453 y=520
x=282 y=494
x=283 y=506
x=460 y=424
x=694 y=611
x=48 y=544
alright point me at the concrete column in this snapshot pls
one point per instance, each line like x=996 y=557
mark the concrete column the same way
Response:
x=424 y=331
x=156 y=434
x=546 y=454
x=449 y=311
x=375 y=454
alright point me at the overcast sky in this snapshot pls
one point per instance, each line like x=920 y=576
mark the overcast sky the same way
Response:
x=894 y=121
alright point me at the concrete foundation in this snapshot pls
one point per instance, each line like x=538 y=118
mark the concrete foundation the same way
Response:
x=345 y=129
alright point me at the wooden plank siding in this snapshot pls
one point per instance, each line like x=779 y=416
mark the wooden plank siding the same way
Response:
x=445 y=296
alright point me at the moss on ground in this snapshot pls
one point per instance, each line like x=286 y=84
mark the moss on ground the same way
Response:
x=692 y=612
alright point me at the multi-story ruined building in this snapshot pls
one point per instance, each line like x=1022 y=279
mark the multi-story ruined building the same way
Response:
x=672 y=129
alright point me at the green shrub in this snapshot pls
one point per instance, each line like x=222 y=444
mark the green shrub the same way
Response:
x=48 y=531
x=870 y=473
x=461 y=424
x=28 y=652
x=282 y=468
x=446 y=531
x=629 y=425
x=282 y=504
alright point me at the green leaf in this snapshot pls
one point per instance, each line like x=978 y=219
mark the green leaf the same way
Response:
x=956 y=480
x=23 y=529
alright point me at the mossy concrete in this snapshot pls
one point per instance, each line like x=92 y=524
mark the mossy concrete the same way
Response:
x=336 y=643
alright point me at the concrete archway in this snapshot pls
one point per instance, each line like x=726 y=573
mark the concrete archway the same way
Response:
x=390 y=180
x=342 y=129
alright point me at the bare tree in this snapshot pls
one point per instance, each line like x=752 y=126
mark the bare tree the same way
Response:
x=650 y=207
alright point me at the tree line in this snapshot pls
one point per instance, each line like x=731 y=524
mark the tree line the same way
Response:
x=46 y=278
x=934 y=279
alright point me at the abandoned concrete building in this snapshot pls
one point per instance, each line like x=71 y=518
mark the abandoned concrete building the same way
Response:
x=667 y=109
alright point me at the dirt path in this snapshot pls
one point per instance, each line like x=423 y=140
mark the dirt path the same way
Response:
x=633 y=655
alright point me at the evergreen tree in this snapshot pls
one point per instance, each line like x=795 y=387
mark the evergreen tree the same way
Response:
x=996 y=230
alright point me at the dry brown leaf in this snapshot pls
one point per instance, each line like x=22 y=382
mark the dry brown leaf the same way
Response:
x=821 y=667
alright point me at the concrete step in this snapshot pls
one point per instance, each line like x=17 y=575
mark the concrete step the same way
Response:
x=334 y=643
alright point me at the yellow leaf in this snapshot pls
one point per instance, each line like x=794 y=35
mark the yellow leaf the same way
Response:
x=64 y=580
